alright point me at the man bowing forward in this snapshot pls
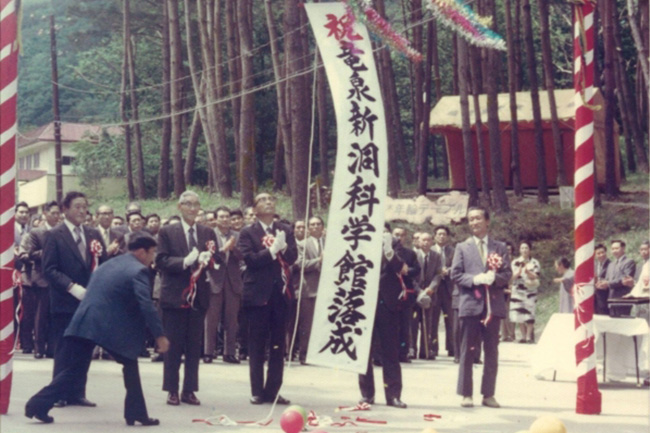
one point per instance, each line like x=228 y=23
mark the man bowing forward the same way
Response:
x=481 y=269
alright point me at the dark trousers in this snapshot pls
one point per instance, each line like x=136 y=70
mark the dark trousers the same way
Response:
x=267 y=324
x=290 y=325
x=59 y=323
x=600 y=300
x=29 y=303
x=456 y=327
x=184 y=329
x=471 y=332
x=447 y=315
x=76 y=354
x=304 y=326
x=405 y=319
x=42 y=335
x=386 y=329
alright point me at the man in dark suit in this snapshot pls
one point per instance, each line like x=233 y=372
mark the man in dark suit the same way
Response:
x=114 y=315
x=31 y=250
x=226 y=289
x=386 y=326
x=70 y=253
x=311 y=248
x=269 y=250
x=446 y=287
x=481 y=305
x=111 y=235
x=620 y=267
x=182 y=248
x=600 y=268
x=431 y=265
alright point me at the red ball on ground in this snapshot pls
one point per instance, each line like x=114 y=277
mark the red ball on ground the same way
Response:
x=292 y=421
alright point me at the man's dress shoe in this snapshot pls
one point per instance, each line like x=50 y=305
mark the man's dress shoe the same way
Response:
x=38 y=355
x=281 y=400
x=207 y=359
x=190 y=398
x=43 y=417
x=490 y=402
x=368 y=400
x=172 y=399
x=257 y=400
x=467 y=402
x=83 y=401
x=61 y=403
x=143 y=421
x=396 y=402
x=230 y=359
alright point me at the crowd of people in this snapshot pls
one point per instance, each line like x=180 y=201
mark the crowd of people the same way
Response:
x=230 y=282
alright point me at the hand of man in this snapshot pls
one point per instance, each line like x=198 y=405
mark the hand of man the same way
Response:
x=229 y=245
x=162 y=344
x=77 y=291
x=480 y=279
x=405 y=269
x=113 y=247
x=387 y=245
x=490 y=276
x=191 y=258
x=628 y=281
x=204 y=257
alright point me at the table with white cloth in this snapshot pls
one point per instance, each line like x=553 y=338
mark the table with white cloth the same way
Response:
x=621 y=347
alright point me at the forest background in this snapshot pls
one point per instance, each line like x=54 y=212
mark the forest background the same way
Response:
x=217 y=95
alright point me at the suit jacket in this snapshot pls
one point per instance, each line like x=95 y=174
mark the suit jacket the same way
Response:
x=603 y=269
x=117 y=308
x=615 y=273
x=445 y=282
x=412 y=277
x=311 y=267
x=31 y=250
x=172 y=249
x=226 y=271
x=466 y=265
x=64 y=265
x=431 y=275
x=263 y=274
x=389 y=285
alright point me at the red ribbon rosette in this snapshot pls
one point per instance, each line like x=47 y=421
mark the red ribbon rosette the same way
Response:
x=96 y=250
x=189 y=294
x=494 y=263
x=267 y=241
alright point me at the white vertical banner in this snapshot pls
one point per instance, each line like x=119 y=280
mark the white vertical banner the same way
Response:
x=349 y=281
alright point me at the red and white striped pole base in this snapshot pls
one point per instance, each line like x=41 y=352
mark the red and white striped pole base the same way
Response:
x=589 y=398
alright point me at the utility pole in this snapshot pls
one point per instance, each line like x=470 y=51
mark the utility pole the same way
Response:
x=57 y=116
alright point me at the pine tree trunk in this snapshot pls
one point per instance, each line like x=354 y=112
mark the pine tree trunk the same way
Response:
x=519 y=58
x=278 y=161
x=192 y=143
x=124 y=116
x=627 y=109
x=163 y=172
x=234 y=78
x=610 y=157
x=300 y=96
x=435 y=60
x=542 y=187
x=515 y=171
x=463 y=86
x=474 y=67
x=176 y=97
x=496 y=158
x=247 y=113
x=323 y=147
x=423 y=160
x=549 y=74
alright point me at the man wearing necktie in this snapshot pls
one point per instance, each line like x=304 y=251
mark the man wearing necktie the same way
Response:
x=481 y=304
x=600 y=268
x=269 y=249
x=430 y=283
x=620 y=267
x=68 y=264
x=182 y=248
x=311 y=249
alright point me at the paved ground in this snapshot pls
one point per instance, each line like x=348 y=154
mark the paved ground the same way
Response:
x=429 y=388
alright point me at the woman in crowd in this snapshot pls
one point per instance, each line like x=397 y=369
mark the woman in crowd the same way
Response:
x=525 y=282
x=565 y=280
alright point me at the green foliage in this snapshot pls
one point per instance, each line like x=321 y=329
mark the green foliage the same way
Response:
x=97 y=160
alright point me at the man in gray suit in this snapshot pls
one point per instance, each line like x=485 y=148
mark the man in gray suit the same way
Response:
x=619 y=268
x=311 y=248
x=446 y=287
x=431 y=266
x=481 y=304
x=225 y=290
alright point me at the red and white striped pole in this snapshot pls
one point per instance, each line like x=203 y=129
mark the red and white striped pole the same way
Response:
x=589 y=398
x=8 y=90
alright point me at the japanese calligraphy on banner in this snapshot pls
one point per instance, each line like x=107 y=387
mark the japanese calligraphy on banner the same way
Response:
x=445 y=210
x=349 y=281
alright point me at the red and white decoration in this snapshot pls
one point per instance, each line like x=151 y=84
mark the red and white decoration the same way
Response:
x=8 y=90
x=589 y=398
